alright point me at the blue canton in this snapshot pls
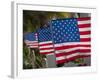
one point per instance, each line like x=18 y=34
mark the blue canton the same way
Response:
x=30 y=37
x=44 y=34
x=65 y=30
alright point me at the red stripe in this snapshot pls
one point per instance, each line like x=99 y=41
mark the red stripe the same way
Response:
x=85 y=39
x=83 y=19
x=67 y=53
x=65 y=47
x=72 y=52
x=84 y=50
x=80 y=45
x=47 y=52
x=70 y=46
x=61 y=54
x=44 y=48
x=85 y=32
x=45 y=44
x=61 y=61
x=84 y=25
x=72 y=58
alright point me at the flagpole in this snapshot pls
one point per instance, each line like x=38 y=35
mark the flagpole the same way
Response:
x=53 y=41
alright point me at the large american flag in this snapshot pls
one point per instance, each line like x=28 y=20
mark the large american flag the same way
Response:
x=45 y=41
x=71 y=37
x=31 y=40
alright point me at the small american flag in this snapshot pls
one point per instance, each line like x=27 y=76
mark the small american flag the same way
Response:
x=45 y=41
x=71 y=37
x=31 y=40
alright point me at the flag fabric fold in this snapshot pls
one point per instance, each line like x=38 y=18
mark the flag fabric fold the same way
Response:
x=71 y=38
x=31 y=40
x=67 y=39
x=45 y=41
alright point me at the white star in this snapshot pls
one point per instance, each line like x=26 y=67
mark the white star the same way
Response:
x=60 y=40
x=75 y=24
x=71 y=32
x=54 y=37
x=76 y=29
x=59 y=36
x=60 y=23
x=74 y=19
x=77 y=39
x=57 y=39
x=69 y=35
x=77 y=34
x=57 y=21
x=71 y=24
x=64 y=35
x=72 y=29
x=65 y=23
x=66 y=20
x=73 y=39
x=55 y=24
x=61 y=28
x=58 y=31
x=70 y=20
x=69 y=39
x=61 y=33
x=64 y=30
x=58 y=26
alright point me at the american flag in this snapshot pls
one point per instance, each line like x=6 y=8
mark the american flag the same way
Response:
x=45 y=41
x=71 y=37
x=31 y=40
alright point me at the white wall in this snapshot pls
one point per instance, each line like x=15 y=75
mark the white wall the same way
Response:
x=5 y=37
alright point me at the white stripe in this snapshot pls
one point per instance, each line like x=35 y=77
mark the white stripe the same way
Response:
x=84 y=22
x=27 y=41
x=71 y=43
x=48 y=46
x=85 y=29
x=85 y=43
x=33 y=46
x=85 y=36
x=70 y=56
x=45 y=42
x=50 y=54
x=76 y=54
x=71 y=49
x=49 y=50
x=60 y=58
x=32 y=43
